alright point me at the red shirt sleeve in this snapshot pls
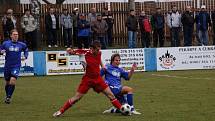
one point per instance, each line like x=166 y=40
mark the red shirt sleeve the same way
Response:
x=81 y=51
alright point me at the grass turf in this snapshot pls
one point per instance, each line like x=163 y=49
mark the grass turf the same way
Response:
x=160 y=96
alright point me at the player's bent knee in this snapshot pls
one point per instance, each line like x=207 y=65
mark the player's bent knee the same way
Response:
x=131 y=90
x=110 y=95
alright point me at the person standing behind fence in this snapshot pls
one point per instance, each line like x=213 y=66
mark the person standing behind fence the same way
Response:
x=66 y=22
x=197 y=25
x=52 y=25
x=174 y=23
x=187 y=21
x=29 y=26
x=145 y=28
x=83 y=32
x=108 y=17
x=204 y=20
x=75 y=16
x=100 y=28
x=213 y=25
x=9 y=23
x=132 y=26
x=157 y=22
x=92 y=16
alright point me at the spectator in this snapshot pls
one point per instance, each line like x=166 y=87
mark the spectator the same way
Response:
x=108 y=17
x=92 y=16
x=52 y=25
x=157 y=21
x=83 y=32
x=187 y=20
x=9 y=23
x=67 y=24
x=29 y=26
x=100 y=28
x=132 y=25
x=213 y=24
x=197 y=25
x=174 y=23
x=145 y=29
x=75 y=17
x=204 y=21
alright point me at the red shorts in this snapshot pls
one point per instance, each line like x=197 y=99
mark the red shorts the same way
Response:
x=98 y=84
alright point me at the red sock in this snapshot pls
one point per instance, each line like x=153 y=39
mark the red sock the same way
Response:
x=116 y=103
x=66 y=106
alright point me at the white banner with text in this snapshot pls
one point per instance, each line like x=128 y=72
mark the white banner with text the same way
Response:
x=184 y=58
x=58 y=62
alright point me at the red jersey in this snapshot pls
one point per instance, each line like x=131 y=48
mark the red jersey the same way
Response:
x=92 y=63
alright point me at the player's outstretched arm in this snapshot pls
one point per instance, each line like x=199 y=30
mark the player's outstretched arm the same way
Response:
x=2 y=48
x=25 y=53
x=76 y=52
x=134 y=66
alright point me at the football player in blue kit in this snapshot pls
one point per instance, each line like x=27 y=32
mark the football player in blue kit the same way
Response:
x=113 y=74
x=13 y=49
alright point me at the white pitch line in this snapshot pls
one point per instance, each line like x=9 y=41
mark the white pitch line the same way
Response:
x=181 y=77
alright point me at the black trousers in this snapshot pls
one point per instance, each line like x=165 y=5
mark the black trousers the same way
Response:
x=31 y=39
x=52 y=36
x=158 y=36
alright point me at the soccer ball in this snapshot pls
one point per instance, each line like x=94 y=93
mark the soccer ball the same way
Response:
x=126 y=109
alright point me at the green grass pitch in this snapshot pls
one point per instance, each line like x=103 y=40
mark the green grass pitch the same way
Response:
x=160 y=96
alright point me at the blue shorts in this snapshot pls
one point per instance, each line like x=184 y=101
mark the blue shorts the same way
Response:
x=11 y=72
x=115 y=90
x=117 y=93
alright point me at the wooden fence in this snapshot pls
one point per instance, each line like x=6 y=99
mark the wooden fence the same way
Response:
x=119 y=10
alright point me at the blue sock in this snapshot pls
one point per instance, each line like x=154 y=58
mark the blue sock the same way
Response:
x=130 y=99
x=11 y=90
x=6 y=89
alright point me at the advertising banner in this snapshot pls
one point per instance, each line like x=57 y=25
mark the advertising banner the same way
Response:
x=184 y=58
x=58 y=62
x=27 y=67
x=128 y=57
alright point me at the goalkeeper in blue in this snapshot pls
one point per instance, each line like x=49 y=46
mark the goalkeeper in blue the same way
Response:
x=12 y=49
x=113 y=74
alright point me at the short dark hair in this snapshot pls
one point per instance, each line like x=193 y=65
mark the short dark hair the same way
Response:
x=27 y=10
x=95 y=44
x=131 y=10
x=13 y=30
x=113 y=57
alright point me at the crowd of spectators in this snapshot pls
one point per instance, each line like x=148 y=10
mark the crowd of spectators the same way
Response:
x=79 y=29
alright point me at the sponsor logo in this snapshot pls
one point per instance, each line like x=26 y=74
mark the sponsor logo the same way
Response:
x=52 y=57
x=167 y=61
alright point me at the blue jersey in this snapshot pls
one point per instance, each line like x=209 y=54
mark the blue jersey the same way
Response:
x=13 y=53
x=113 y=75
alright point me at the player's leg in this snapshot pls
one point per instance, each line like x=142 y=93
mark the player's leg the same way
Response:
x=11 y=76
x=129 y=92
x=112 y=98
x=117 y=93
x=99 y=85
x=69 y=103
x=82 y=90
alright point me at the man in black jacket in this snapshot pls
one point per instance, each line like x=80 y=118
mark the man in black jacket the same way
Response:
x=108 y=17
x=213 y=25
x=187 y=20
x=132 y=25
x=52 y=25
x=158 y=22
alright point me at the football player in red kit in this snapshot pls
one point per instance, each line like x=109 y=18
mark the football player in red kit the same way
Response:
x=91 y=78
